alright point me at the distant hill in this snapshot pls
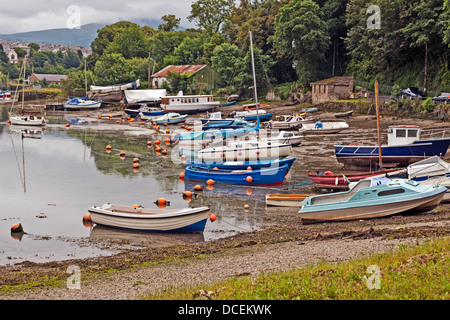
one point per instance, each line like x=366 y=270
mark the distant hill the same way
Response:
x=64 y=36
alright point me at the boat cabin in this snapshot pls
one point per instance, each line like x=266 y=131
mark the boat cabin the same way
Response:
x=183 y=100
x=403 y=134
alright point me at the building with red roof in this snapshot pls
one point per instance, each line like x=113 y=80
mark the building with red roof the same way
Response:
x=203 y=75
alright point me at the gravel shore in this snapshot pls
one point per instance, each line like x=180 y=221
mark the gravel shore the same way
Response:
x=246 y=254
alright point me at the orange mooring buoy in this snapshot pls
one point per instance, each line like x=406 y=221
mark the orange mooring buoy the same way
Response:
x=249 y=179
x=182 y=175
x=198 y=188
x=17 y=228
x=246 y=207
x=212 y=217
x=210 y=182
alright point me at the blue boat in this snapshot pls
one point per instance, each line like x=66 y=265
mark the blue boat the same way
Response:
x=230 y=103
x=266 y=176
x=372 y=198
x=243 y=165
x=404 y=147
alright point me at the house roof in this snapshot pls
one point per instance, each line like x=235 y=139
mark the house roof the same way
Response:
x=333 y=80
x=49 y=77
x=183 y=69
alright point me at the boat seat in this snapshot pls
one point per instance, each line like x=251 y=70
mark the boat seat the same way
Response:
x=340 y=197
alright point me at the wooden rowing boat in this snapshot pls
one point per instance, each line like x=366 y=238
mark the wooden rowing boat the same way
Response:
x=285 y=200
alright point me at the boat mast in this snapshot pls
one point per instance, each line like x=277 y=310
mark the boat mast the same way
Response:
x=254 y=83
x=85 y=78
x=378 y=125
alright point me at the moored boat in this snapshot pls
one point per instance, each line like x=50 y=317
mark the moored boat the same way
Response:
x=243 y=150
x=323 y=127
x=81 y=104
x=287 y=122
x=328 y=180
x=253 y=165
x=432 y=170
x=285 y=200
x=189 y=104
x=405 y=146
x=139 y=218
x=252 y=115
x=171 y=118
x=265 y=176
x=343 y=114
x=372 y=198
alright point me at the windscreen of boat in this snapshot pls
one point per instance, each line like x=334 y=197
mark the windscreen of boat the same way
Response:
x=391 y=192
x=340 y=196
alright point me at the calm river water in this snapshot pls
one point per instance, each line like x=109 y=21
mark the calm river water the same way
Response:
x=49 y=180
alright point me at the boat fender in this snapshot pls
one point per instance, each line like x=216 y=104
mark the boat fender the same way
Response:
x=328 y=173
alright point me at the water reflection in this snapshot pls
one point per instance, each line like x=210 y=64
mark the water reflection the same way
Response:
x=50 y=178
x=145 y=239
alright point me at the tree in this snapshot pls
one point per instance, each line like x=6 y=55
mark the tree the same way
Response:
x=263 y=67
x=112 y=68
x=225 y=60
x=3 y=56
x=190 y=51
x=301 y=34
x=209 y=15
x=163 y=44
x=130 y=43
x=106 y=35
x=423 y=28
x=171 y=22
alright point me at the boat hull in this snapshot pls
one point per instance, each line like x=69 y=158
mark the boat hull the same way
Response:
x=86 y=106
x=375 y=210
x=269 y=176
x=339 y=181
x=190 y=109
x=183 y=220
x=28 y=121
x=285 y=200
x=255 y=165
x=392 y=156
x=172 y=121
x=254 y=153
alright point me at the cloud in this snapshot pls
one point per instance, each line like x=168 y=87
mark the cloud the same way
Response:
x=31 y=15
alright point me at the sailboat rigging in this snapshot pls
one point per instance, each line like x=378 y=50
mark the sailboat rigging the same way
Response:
x=25 y=120
x=82 y=103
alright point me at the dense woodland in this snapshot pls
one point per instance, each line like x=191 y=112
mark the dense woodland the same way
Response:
x=296 y=42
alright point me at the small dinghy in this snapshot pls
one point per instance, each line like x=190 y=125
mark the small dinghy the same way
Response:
x=140 y=218
x=285 y=200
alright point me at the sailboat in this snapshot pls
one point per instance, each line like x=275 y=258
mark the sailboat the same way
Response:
x=254 y=149
x=82 y=103
x=24 y=120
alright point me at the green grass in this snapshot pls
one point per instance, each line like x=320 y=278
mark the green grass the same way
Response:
x=410 y=272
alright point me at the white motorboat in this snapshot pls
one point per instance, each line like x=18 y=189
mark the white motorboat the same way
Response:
x=434 y=171
x=140 y=218
x=25 y=120
x=189 y=104
x=244 y=150
x=323 y=127
x=170 y=118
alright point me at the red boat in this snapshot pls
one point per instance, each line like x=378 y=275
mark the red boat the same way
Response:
x=328 y=180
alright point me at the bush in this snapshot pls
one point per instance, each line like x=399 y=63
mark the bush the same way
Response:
x=428 y=105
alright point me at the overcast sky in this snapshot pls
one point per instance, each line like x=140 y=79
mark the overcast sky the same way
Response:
x=32 y=15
